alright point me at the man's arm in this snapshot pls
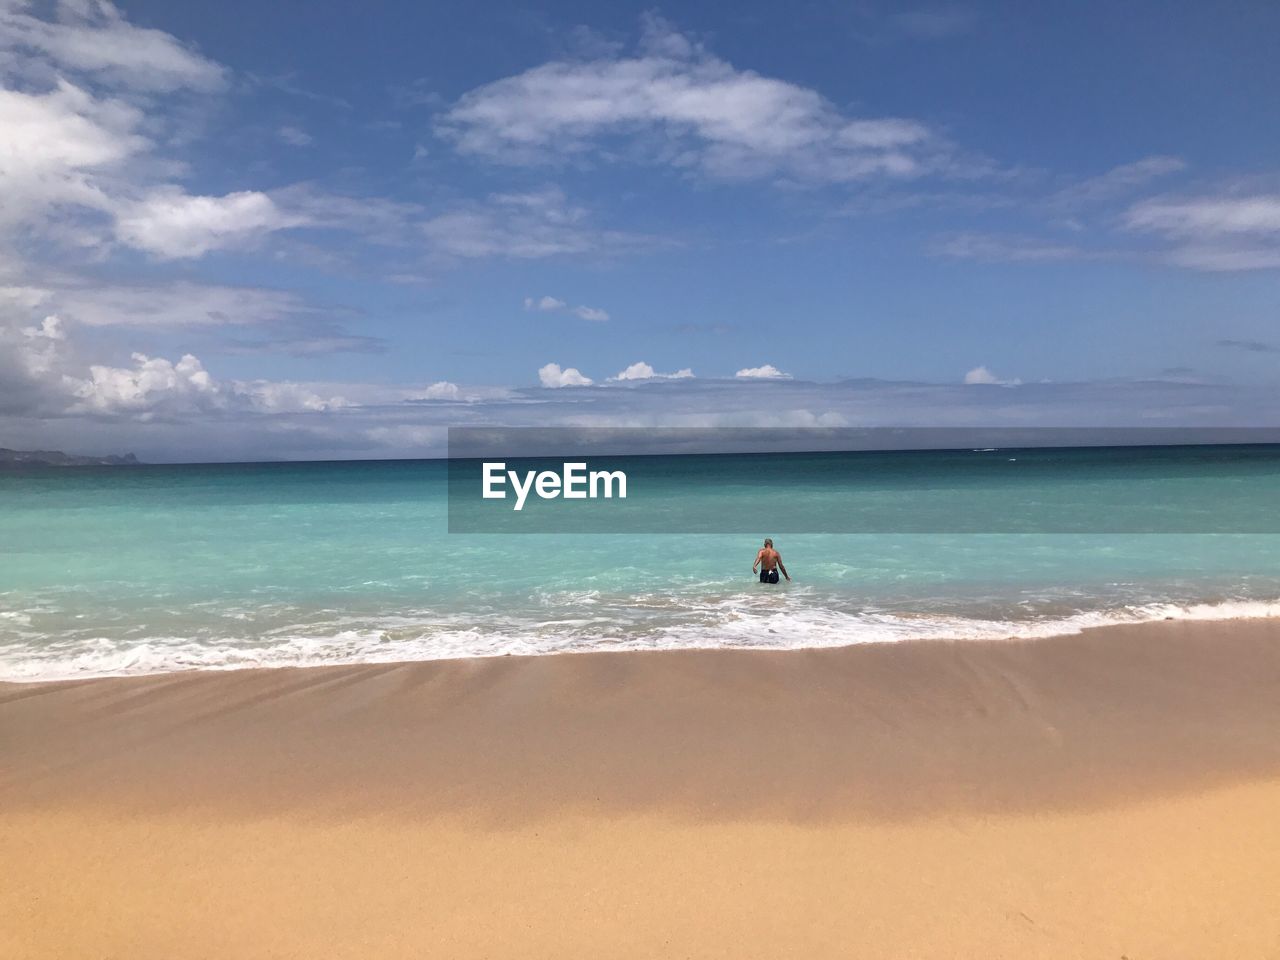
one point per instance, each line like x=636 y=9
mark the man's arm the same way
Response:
x=759 y=554
x=783 y=569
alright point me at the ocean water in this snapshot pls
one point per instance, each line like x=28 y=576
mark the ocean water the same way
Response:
x=139 y=570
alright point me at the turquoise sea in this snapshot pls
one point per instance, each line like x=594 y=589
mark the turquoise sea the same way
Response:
x=107 y=571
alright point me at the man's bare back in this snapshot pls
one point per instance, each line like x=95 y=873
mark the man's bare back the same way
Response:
x=769 y=561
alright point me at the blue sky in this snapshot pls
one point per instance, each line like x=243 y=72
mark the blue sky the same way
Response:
x=258 y=230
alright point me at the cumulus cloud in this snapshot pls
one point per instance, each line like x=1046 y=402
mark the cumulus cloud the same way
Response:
x=766 y=372
x=684 y=106
x=91 y=107
x=44 y=373
x=92 y=37
x=81 y=104
x=637 y=371
x=57 y=144
x=595 y=314
x=553 y=378
x=282 y=396
x=157 y=387
x=149 y=383
x=642 y=371
x=177 y=408
x=51 y=329
x=982 y=376
x=444 y=390
x=173 y=225
x=30 y=358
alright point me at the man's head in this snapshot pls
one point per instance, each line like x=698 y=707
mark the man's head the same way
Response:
x=768 y=542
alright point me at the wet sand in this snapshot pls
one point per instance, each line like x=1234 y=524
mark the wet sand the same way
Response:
x=1110 y=795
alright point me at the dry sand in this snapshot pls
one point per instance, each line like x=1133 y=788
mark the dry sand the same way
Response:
x=1115 y=794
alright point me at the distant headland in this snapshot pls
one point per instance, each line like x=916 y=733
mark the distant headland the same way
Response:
x=56 y=458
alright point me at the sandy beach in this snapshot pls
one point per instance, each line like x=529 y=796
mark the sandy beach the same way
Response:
x=1108 y=795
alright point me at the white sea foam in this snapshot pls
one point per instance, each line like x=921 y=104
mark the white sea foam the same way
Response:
x=761 y=621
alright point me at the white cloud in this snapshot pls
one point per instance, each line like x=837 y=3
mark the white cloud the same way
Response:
x=444 y=390
x=1219 y=233
x=50 y=329
x=377 y=219
x=89 y=105
x=548 y=304
x=39 y=350
x=55 y=146
x=21 y=297
x=70 y=158
x=1206 y=233
x=86 y=100
x=544 y=304
x=982 y=376
x=1256 y=215
x=30 y=357
x=688 y=108
x=1117 y=181
x=171 y=305
x=295 y=327
x=766 y=372
x=642 y=371
x=552 y=377
x=150 y=383
x=155 y=386
x=523 y=226
x=637 y=371
x=65 y=129
x=173 y=225
x=43 y=373
x=282 y=396
x=91 y=37
x=51 y=395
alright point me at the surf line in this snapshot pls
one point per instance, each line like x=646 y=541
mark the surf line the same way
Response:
x=573 y=482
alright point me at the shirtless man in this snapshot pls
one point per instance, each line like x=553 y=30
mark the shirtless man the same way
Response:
x=769 y=561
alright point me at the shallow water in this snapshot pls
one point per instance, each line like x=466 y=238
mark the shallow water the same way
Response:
x=124 y=570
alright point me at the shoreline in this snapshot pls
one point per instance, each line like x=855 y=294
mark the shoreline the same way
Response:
x=1109 y=713
x=1105 y=794
x=1076 y=625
